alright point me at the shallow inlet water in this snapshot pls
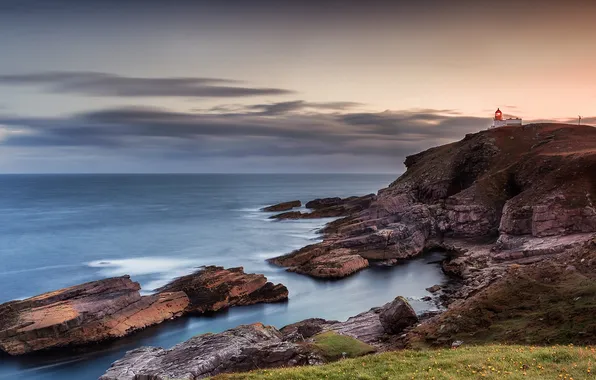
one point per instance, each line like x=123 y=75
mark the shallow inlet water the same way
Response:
x=57 y=231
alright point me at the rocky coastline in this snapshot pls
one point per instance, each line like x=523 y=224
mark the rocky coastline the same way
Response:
x=112 y=308
x=498 y=197
x=512 y=208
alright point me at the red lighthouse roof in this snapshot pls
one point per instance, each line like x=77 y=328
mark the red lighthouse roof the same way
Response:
x=498 y=114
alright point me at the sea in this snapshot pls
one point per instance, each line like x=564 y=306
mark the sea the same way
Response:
x=62 y=230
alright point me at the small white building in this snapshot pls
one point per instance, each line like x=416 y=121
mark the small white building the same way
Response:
x=498 y=121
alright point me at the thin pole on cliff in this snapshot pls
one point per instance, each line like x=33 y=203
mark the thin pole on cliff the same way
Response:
x=579 y=122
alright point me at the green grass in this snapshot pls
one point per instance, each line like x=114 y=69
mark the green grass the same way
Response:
x=540 y=306
x=471 y=362
x=333 y=345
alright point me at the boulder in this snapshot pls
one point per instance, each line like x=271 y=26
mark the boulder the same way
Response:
x=397 y=316
x=214 y=288
x=299 y=331
x=434 y=288
x=81 y=314
x=284 y=206
x=243 y=348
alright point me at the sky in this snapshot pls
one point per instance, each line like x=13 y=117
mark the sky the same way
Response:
x=142 y=86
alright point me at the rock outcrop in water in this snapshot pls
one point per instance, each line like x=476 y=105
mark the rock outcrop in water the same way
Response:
x=511 y=187
x=113 y=308
x=284 y=206
x=214 y=288
x=329 y=208
x=81 y=314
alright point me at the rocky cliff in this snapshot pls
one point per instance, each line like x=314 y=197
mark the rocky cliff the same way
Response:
x=509 y=187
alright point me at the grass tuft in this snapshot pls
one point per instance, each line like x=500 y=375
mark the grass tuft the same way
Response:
x=333 y=345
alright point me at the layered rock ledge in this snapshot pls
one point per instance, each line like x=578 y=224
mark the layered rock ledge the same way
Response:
x=242 y=348
x=85 y=313
x=113 y=307
x=214 y=288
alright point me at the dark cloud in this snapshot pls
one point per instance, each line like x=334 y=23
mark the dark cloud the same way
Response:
x=103 y=84
x=252 y=133
x=274 y=109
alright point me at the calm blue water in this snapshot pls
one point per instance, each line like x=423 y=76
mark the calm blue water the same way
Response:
x=61 y=230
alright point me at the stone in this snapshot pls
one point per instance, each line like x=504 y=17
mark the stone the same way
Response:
x=434 y=288
x=82 y=314
x=397 y=315
x=284 y=206
x=213 y=288
x=243 y=348
x=324 y=202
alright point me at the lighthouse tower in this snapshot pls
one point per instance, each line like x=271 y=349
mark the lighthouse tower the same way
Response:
x=498 y=120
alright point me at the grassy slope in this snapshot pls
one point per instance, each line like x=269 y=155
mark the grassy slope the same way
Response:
x=490 y=362
x=546 y=303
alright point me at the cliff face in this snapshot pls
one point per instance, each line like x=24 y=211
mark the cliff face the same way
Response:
x=510 y=183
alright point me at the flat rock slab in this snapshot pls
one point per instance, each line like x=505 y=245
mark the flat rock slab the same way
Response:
x=284 y=206
x=239 y=349
x=214 y=288
x=81 y=314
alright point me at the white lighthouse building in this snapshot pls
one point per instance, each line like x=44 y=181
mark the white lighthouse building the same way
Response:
x=498 y=121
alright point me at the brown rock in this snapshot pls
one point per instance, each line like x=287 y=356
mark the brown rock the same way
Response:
x=214 y=288
x=330 y=208
x=284 y=206
x=434 y=288
x=81 y=314
x=397 y=316
x=322 y=262
x=324 y=202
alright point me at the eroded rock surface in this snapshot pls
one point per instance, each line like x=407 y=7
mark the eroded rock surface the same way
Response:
x=239 y=349
x=214 y=288
x=85 y=313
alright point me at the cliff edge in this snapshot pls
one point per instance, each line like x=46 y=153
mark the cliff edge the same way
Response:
x=509 y=188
